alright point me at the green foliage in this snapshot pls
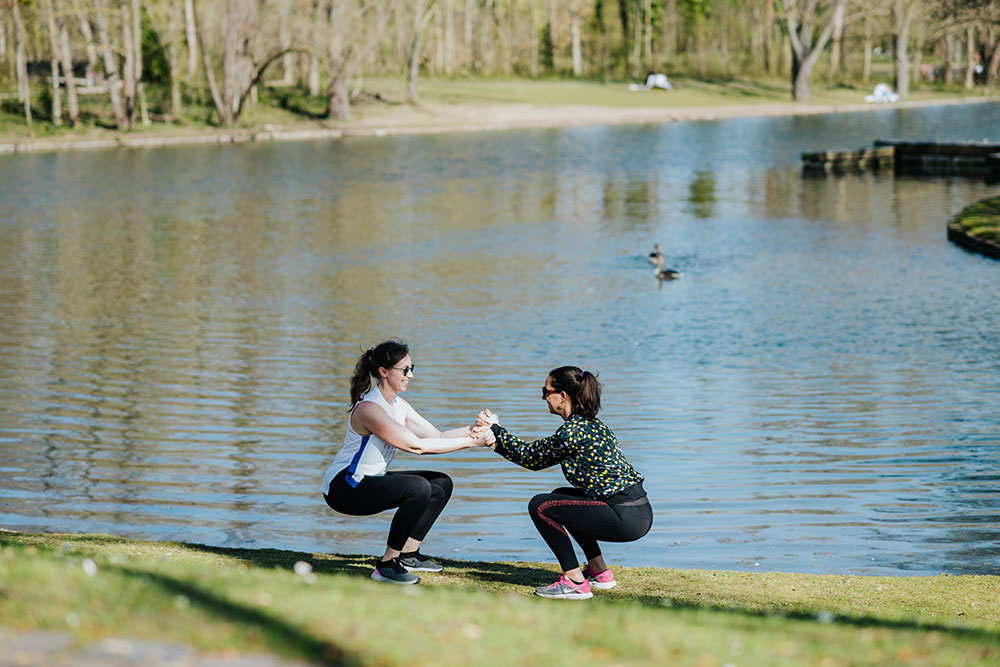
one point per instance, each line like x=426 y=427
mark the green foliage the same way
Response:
x=695 y=12
x=156 y=69
x=547 y=51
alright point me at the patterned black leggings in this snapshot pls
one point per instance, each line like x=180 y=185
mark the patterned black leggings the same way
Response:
x=587 y=520
x=420 y=496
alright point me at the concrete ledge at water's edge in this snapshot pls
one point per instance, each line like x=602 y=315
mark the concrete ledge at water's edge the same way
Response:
x=968 y=158
x=960 y=237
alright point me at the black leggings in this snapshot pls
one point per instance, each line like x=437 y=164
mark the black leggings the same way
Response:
x=588 y=520
x=420 y=496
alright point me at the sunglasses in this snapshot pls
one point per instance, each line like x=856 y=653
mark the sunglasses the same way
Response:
x=405 y=370
x=546 y=392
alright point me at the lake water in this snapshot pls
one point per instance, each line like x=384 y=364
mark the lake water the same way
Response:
x=820 y=392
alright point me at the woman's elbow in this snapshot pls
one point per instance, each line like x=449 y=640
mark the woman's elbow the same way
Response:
x=417 y=448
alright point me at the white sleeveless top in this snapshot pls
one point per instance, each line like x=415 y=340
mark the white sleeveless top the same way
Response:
x=368 y=454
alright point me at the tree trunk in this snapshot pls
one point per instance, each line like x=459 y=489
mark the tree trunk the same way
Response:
x=50 y=20
x=574 y=12
x=128 y=69
x=72 y=102
x=111 y=77
x=88 y=36
x=230 y=70
x=838 y=33
x=636 y=42
x=23 y=85
x=668 y=33
x=485 y=36
x=174 y=18
x=224 y=110
x=647 y=32
x=313 y=58
x=946 y=62
x=192 y=37
x=469 y=32
x=285 y=37
x=993 y=66
x=417 y=47
x=866 y=71
x=970 y=57
x=449 y=37
x=533 y=10
x=903 y=16
x=805 y=52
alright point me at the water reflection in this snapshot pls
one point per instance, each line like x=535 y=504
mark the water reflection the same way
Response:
x=818 y=393
x=701 y=197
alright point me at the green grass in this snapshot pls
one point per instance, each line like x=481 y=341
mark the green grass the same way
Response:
x=382 y=97
x=982 y=219
x=226 y=600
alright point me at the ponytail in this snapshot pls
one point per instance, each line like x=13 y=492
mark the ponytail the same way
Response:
x=383 y=355
x=581 y=386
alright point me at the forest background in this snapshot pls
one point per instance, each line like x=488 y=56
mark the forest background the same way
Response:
x=122 y=64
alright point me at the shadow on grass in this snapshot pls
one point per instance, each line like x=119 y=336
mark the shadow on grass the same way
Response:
x=978 y=634
x=352 y=564
x=361 y=565
x=275 y=631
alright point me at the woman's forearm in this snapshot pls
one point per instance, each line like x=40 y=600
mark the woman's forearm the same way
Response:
x=461 y=432
x=441 y=445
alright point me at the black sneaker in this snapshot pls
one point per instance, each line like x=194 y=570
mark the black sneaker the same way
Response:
x=392 y=572
x=417 y=562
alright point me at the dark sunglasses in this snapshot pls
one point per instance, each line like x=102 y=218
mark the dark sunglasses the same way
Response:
x=546 y=391
x=405 y=370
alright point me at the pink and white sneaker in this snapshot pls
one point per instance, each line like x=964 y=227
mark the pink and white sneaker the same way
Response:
x=602 y=581
x=565 y=589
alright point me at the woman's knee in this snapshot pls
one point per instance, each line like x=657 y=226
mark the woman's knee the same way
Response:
x=444 y=484
x=535 y=504
x=417 y=488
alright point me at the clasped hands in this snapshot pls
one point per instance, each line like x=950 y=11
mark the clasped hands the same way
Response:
x=481 y=430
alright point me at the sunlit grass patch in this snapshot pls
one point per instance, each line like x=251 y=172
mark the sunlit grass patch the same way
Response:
x=323 y=608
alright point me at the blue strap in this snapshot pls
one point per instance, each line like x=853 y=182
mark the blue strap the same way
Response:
x=355 y=461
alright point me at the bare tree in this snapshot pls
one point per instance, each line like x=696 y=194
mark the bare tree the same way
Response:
x=349 y=45
x=88 y=36
x=66 y=55
x=191 y=36
x=129 y=68
x=574 y=23
x=903 y=12
x=809 y=24
x=111 y=78
x=54 y=63
x=420 y=17
x=533 y=66
x=23 y=86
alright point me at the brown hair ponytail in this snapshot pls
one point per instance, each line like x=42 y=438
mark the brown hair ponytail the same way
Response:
x=383 y=355
x=582 y=388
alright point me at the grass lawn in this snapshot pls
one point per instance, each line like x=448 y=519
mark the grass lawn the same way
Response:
x=447 y=100
x=253 y=600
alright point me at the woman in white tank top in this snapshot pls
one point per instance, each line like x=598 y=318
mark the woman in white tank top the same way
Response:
x=358 y=481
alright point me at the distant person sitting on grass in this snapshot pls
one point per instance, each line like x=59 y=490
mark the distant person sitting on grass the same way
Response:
x=358 y=483
x=606 y=502
x=657 y=80
x=653 y=81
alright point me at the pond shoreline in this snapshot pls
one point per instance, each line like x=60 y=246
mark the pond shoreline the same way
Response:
x=435 y=119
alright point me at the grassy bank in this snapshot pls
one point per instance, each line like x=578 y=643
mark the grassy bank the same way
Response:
x=468 y=102
x=982 y=220
x=254 y=600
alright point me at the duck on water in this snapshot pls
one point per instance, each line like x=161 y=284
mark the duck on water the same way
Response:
x=656 y=257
